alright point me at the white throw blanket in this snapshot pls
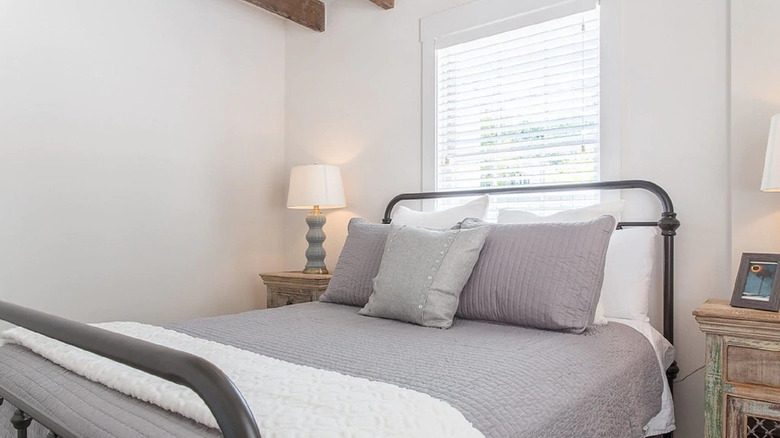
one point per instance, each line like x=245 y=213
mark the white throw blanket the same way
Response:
x=288 y=400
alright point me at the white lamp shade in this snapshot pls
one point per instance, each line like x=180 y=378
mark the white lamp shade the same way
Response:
x=771 y=181
x=316 y=184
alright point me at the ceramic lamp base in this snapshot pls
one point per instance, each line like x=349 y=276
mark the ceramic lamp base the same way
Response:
x=315 y=271
x=315 y=254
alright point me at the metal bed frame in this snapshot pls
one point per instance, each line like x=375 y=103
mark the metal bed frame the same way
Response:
x=222 y=397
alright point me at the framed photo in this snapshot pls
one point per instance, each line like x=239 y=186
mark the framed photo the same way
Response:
x=758 y=285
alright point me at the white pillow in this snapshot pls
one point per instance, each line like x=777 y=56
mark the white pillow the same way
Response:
x=444 y=218
x=628 y=274
x=584 y=214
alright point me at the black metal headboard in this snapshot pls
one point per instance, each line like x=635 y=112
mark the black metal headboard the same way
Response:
x=668 y=224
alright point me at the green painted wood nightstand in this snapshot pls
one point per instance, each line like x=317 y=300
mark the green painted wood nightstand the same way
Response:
x=742 y=384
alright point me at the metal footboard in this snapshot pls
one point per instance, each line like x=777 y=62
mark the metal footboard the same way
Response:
x=220 y=394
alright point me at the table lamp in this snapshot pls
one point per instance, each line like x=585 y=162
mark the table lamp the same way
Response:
x=771 y=180
x=315 y=187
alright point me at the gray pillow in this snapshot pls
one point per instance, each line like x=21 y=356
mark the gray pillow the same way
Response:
x=422 y=274
x=545 y=275
x=352 y=281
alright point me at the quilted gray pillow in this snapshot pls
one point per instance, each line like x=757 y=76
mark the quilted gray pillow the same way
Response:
x=352 y=281
x=545 y=275
x=422 y=274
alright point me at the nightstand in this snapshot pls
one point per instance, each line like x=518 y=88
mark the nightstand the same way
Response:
x=742 y=384
x=293 y=287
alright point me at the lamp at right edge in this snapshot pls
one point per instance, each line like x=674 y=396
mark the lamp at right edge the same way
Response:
x=771 y=180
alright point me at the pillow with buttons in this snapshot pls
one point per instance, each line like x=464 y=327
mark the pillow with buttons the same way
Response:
x=422 y=274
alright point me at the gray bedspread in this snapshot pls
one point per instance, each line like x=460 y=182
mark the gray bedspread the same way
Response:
x=510 y=382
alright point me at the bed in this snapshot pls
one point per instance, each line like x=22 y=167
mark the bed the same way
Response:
x=507 y=381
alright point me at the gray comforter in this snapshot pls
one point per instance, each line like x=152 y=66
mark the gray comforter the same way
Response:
x=510 y=382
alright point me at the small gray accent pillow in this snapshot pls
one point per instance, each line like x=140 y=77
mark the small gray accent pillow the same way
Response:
x=545 y=275
x=352 y=281
x=422 y=274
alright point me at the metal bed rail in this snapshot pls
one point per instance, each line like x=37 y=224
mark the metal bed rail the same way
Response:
x=231 y=411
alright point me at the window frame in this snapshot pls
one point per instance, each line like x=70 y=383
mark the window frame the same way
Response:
x=489 y=17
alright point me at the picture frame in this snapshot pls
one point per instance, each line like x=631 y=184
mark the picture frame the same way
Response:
x=758 y=282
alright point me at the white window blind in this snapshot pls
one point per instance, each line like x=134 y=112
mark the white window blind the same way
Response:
x=521 y=108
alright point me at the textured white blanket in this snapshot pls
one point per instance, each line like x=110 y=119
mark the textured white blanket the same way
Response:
x=288 y=400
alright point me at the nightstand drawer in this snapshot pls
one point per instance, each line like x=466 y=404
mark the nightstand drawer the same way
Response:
x=293 y=287
x=752 y=365
x=285 y=298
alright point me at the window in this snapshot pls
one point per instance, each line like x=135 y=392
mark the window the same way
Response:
x=520 y=107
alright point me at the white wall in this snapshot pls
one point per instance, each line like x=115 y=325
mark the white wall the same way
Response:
x=141 y=156
x=755 y=97
x=675 y=132
x=353 y=99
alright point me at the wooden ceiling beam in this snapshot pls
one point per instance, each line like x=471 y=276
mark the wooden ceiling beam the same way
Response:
x=309 y=13
x=385 y=4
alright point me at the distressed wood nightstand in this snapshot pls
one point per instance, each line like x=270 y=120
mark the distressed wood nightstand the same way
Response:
x=293 y=287
x=742 y=384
